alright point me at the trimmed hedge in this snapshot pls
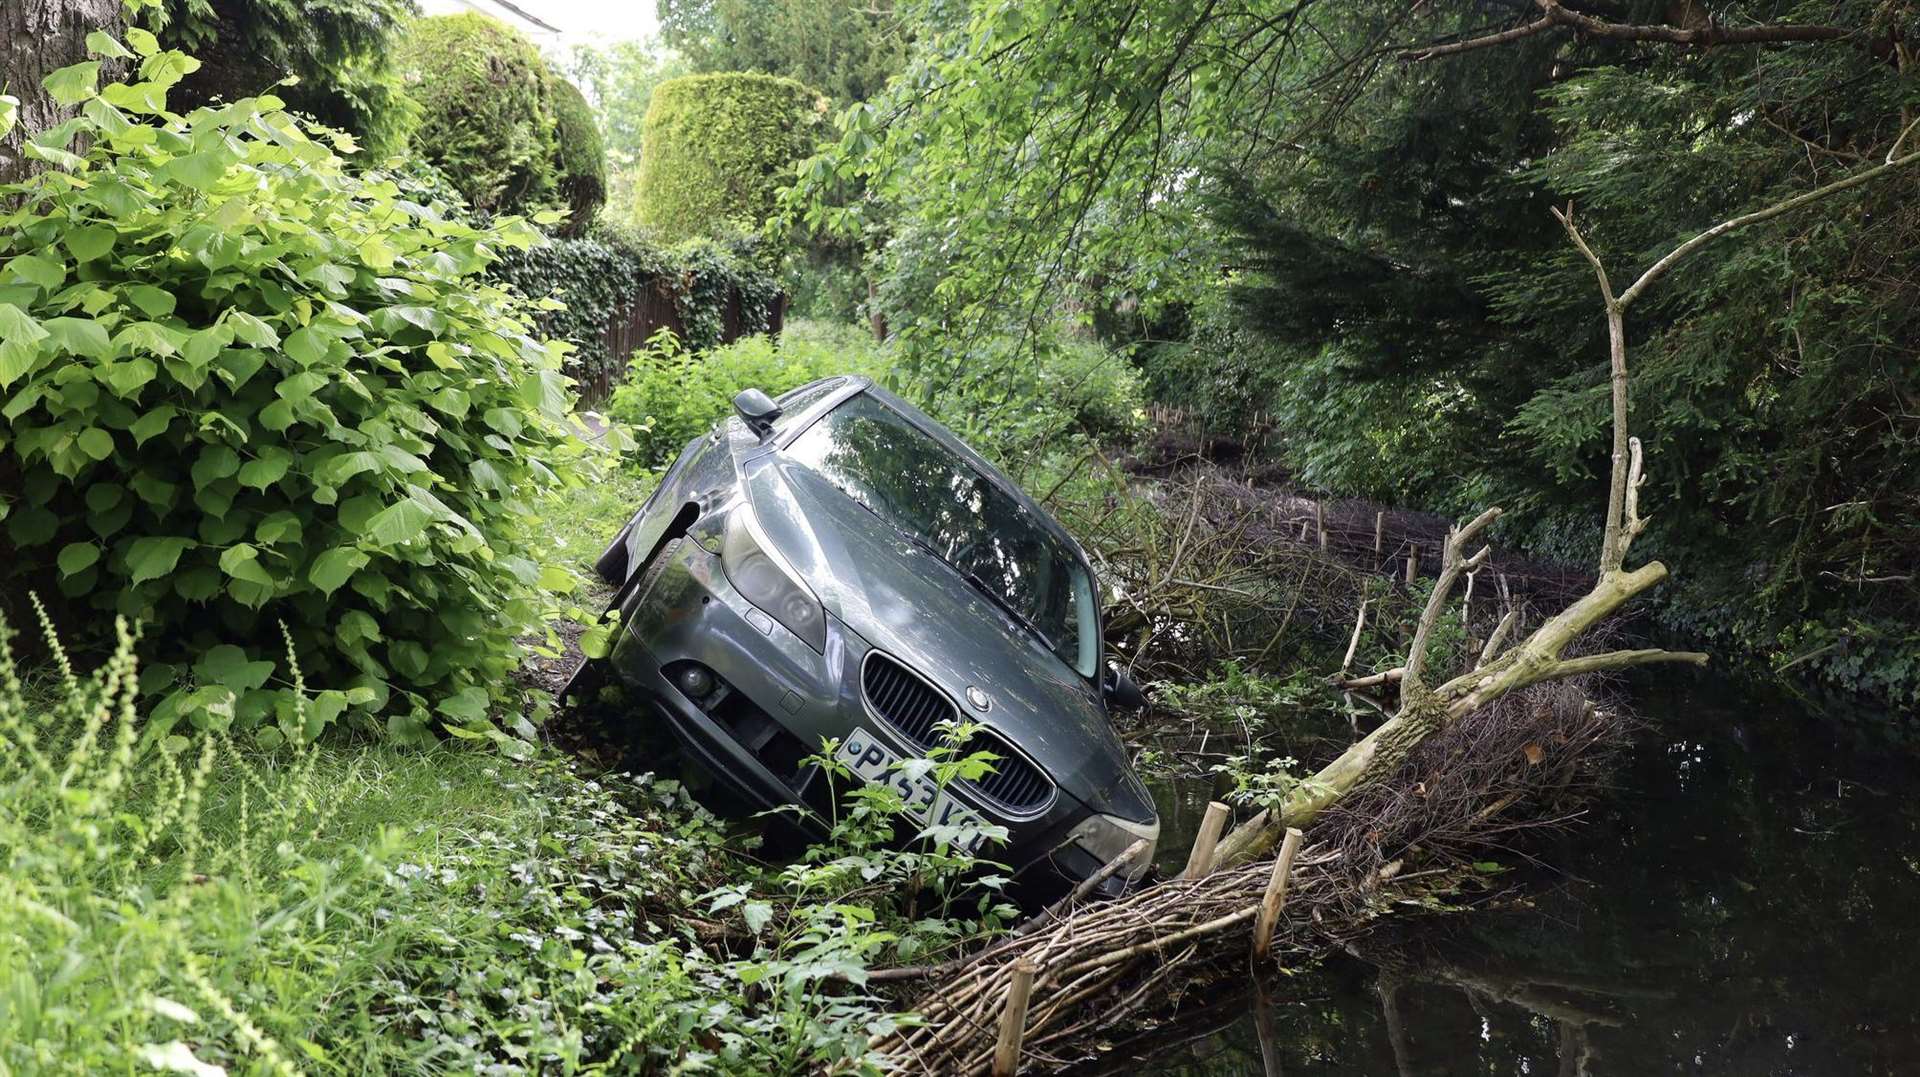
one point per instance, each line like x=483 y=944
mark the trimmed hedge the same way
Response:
x=580 y=157
x=717 y=149
x=509 y=134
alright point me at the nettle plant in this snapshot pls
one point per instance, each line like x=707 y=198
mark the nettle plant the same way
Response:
x=245 y=386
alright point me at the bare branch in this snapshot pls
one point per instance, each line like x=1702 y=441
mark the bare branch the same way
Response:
x=1451 y=566
x=1454 y=48
x=1372 y=680
x=1612 y=660
x=1673 y=35
x=1557 y=16
x=1660 y=268
x=1499 y=636
x=1359 y=622
x=1565 y=217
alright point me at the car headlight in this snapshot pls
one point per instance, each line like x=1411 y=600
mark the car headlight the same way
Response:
x=1107 y=836
x=765 y=580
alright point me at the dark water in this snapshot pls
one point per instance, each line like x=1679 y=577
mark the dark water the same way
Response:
x=1748 y=903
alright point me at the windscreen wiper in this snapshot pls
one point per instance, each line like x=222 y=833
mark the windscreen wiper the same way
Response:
x=974 y=580
x=1000 y=600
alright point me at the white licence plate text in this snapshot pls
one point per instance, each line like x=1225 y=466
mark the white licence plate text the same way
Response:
x=874 y=761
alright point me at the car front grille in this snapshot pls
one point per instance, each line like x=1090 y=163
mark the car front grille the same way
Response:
x=916 y=709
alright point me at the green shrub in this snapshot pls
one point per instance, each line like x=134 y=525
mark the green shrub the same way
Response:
x=718 y=147
x=673 y=394
x=489 y=119
x=246 y=386
x=580 y=156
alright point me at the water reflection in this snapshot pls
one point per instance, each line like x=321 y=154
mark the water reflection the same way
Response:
x=1745 y=906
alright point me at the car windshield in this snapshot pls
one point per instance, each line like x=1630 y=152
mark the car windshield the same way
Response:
x=877 y=457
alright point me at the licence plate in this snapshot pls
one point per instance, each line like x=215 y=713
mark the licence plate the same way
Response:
x=874 y=761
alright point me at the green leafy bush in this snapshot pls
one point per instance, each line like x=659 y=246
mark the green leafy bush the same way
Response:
x=673 y=394
x=509 y=133
x=719 y=147
x=245 y=387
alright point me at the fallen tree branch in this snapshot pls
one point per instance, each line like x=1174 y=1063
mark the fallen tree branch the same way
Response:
x=1556 y=16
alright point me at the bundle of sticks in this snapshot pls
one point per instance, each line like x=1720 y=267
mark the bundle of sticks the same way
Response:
x=1531 y=760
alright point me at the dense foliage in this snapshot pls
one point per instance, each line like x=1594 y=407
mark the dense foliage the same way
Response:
x=509 y=134
x=605 y=278
x=338 y=57
x=1312 y=230
x=248 y=389
x=847 y=48
x=1080 y=395
x=718 y=149
x=178 y=900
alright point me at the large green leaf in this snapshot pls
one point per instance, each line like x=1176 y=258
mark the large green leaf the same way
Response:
x=79 y=336
x=38 y=269
x=90 y=241
x=214 y=463
x=95 y=442
x=402 y=521
x=75 y=83
x=77 y=557
x=20 y=338
x=153 y=302
x=151 y=424
x=306 y=346
x=152 y=557
x=267 y=468
x=126 y=379
x=335 y=567
x=229 y=667
x=242 y=562
x=200 y=171
x=105 y=45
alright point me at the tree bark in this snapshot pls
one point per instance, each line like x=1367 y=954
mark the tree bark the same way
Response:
x=38 y=37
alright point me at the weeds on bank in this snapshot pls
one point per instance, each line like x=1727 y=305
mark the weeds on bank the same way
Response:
x=183 y=901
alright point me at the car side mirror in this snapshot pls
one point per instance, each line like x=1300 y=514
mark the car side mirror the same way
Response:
x=1122 y=692
x=757 y=410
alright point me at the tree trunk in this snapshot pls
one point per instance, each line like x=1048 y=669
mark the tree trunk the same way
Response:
x=38 y=37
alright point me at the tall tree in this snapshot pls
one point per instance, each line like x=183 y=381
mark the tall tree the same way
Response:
x=848 y=48
x=38 y=37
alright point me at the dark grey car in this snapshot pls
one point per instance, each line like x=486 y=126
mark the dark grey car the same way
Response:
x=838 y=565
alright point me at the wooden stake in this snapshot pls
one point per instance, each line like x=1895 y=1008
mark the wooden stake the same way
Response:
x=1413 y=564
x=1013 y=1019
x=1379 y=531
x=1276 y=896
x=1320 y=521
x=1200 y=861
